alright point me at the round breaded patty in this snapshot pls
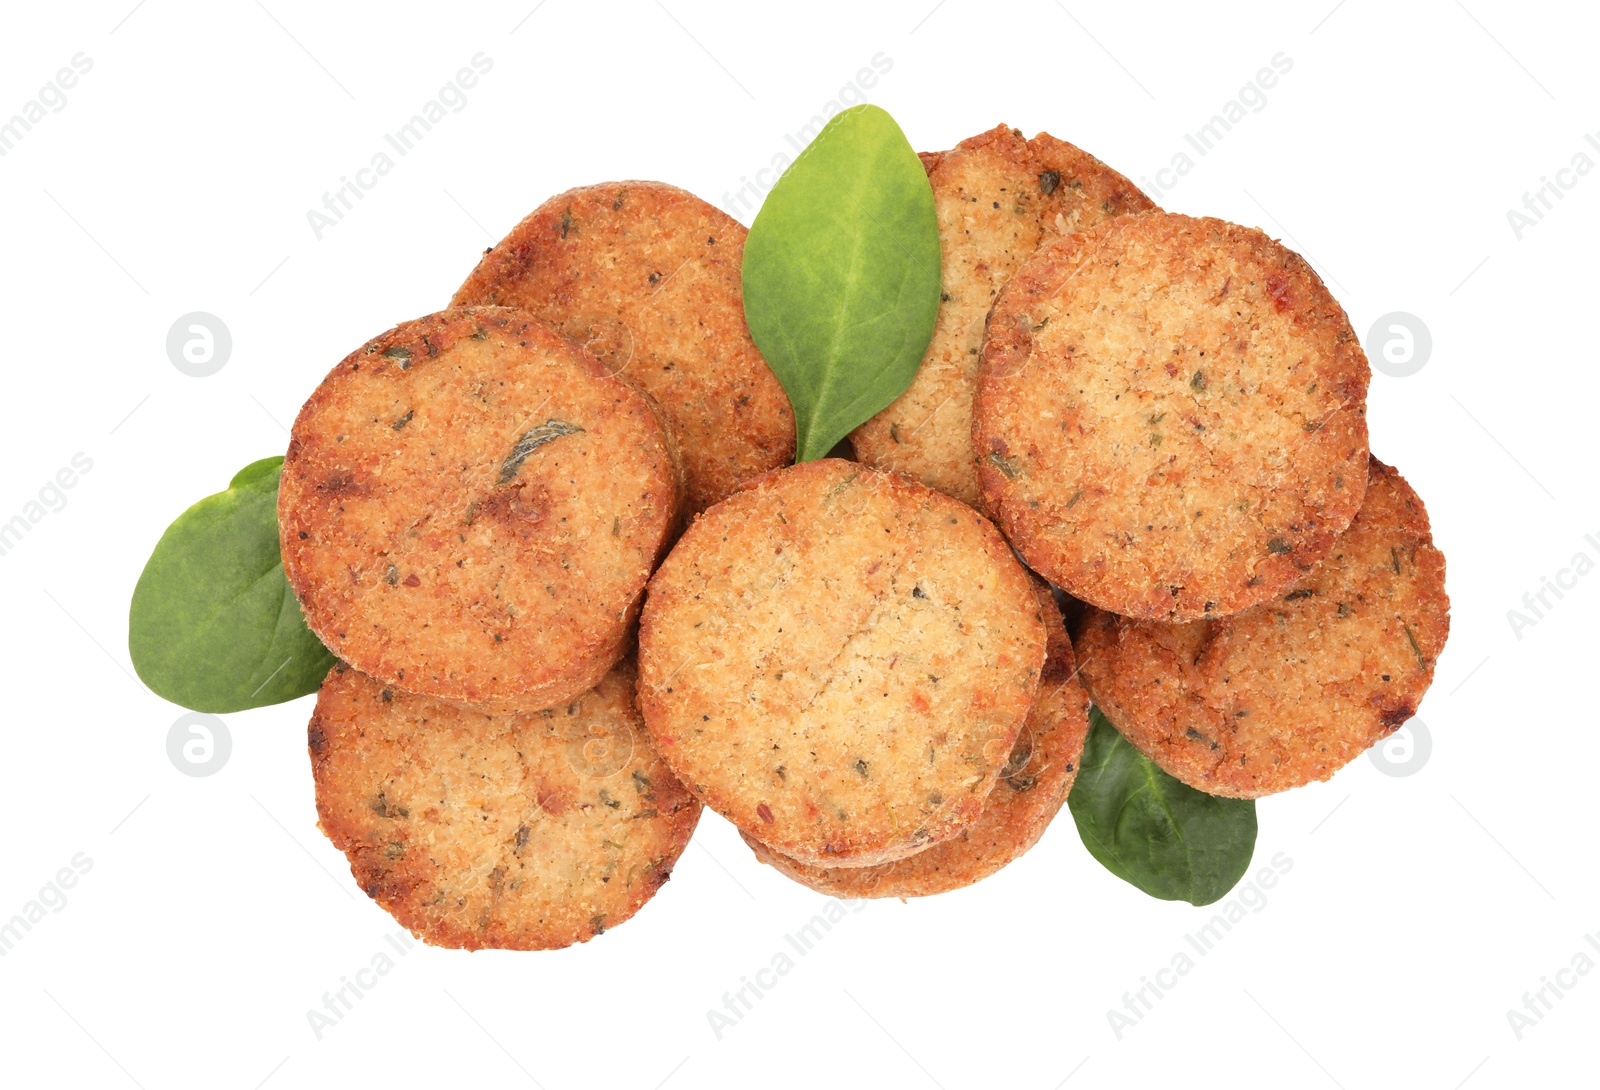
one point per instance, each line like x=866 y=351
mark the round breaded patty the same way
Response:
x=519 y=832
x=470 y=508
x=998 y=197
x=1292 y=690
x=1029 y=793
x=648 y=278
x=838 y=660
x=1171 y=416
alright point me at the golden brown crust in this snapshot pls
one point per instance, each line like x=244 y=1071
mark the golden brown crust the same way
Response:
x=1290 y=691
x=1029 y=793
x=1171 y=416
x=840 y=659
x=470 y=508
x=518 y=832
x=647 y=276
x=998 y=197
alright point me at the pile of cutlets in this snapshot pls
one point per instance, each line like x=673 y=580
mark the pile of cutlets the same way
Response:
x=578 y=589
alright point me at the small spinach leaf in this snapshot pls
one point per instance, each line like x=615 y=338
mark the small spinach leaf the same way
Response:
x=1152 y=831
x=213 y=625
x=841 y=276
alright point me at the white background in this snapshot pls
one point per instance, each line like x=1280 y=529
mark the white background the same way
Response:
x=177 y=178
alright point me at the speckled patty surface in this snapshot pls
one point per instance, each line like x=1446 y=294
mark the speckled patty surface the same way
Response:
x=648 y=278
x=1029 y=793
x=838 y=660
x=1171 y=416
x=522 y=832
x=1292 y=690
x=998 y=197
x=470 y=508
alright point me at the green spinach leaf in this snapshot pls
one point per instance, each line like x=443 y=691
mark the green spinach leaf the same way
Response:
x=841 y=276
x=1152 y=831
x=213 y=625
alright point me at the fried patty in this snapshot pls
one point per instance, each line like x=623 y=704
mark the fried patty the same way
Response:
x=1292 y=690
x=998 y=197
x=1029 y=793
x=648 y=278
x=518 y=832
x=1171 y=416
x=838 y=660
x=470 y=508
